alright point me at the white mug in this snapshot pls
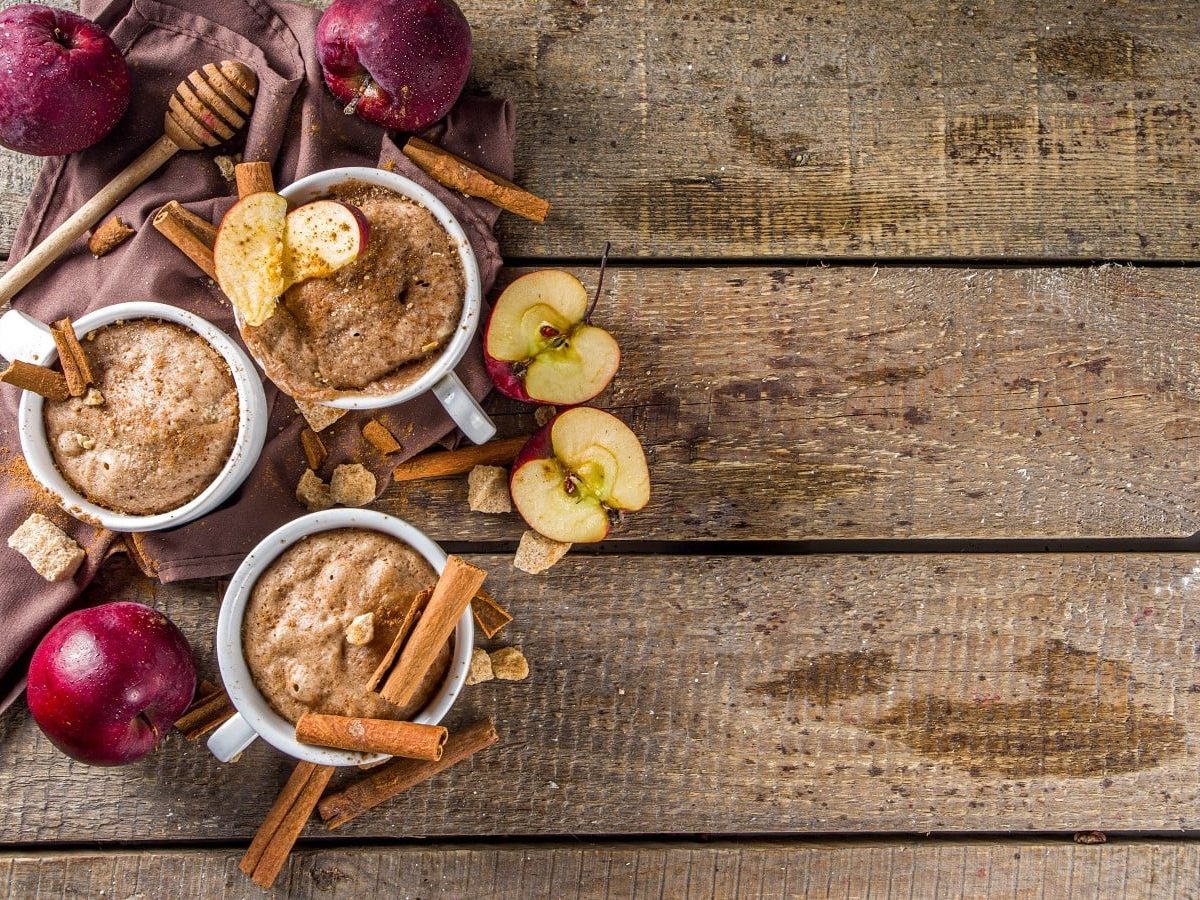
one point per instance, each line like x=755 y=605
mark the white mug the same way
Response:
x=24 y=338
x=255 y=718
x=440 y=377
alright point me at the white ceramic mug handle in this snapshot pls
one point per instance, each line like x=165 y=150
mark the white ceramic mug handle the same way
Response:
x=24 y=337
x=231 y=738
x=464 y=410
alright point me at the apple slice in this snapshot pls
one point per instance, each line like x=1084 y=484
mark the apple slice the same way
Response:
x=571 y=476
x=539 y=346
x=322 y=237
x=248 y=255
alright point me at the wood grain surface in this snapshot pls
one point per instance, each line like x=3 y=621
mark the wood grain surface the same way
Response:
x=1037 y=128
x=856 y=402
x=888 y=871
x=686 y=695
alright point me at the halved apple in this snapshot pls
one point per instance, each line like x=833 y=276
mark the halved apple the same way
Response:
x=322 y=237
x=576 y=473
x=539 y=346
x=248 y=255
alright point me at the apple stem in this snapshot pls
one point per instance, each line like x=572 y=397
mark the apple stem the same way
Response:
x=599 y=281
x=350 y=107
x=149 y=724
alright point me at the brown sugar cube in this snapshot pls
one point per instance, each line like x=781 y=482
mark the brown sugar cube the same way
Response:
x=313 y=492
x=109 y=236
x=487 y=490
x=509 y=664
x=49 y=549
x=317 y=416
x=380 y=438
x=352 y=485
x=543 y=414
x=536 y=553
x=481 y=667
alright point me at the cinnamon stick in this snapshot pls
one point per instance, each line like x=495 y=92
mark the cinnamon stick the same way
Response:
x=253 y=178
x=313 y=447
x=286 y=819
x=407 y=739
x=406 y=626
x=489 y=615
x=399 y=775
x=28 y=377
x=108 y=237
x=451 y=596
x=465 y=177
x=191 y=235
x=444 y=463
x=72 y=358
x=210 y=708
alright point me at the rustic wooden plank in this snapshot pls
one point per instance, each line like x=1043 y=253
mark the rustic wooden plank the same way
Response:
x=1028 y=128
x=855 y=402
x=691 y=695
x=887 y=870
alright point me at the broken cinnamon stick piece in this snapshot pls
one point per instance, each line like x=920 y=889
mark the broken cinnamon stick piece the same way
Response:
x=465 y=177
x=286 y=819
x=399 y=775
x=28 y=377
x=489 y=615
x=452 y=594
x=109 y=236
x=406 y=626
x=380 y=438
x=190 y=234
x=455 y=462
x=72 y=358
x=253 y=178
x=314 y=448
x=142 y=559
x=407 y=739
x=210 y=708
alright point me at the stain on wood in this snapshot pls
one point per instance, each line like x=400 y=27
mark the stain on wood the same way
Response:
x=827 y=677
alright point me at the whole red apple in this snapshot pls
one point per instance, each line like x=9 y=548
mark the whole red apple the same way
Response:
x=63 y=83
x=107 y=682
x=398 y=63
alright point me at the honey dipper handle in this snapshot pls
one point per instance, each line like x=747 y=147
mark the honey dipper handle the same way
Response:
x=84 y=218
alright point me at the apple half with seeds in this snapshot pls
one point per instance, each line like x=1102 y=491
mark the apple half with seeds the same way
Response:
x=262 y=249
x=539 y=346
x=577 y=474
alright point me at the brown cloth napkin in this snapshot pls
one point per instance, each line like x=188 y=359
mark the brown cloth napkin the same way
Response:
x=299 y=127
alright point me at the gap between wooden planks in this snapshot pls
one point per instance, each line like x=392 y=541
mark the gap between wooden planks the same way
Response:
x=901 y=869
x=702 y=129
x=743 y=695
x=857 y=403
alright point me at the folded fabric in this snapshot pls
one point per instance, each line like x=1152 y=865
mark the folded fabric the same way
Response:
x=300 y=128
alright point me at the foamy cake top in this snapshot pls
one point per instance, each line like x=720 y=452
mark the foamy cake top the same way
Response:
x=165 y=429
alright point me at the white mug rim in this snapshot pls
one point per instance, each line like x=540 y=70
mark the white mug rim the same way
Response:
x=247 y=447
x=249 y=702
x=316 y=186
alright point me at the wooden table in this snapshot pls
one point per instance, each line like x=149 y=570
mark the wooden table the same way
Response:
x=915 y=600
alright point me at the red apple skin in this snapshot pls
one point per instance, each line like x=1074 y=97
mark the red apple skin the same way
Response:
x=107 y=682
x=417 y=53
x=506 y=380
x=63 y=83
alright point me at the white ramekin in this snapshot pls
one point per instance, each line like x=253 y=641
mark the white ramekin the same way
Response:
x=25 y=338
x=255 y=718
x=440 y=378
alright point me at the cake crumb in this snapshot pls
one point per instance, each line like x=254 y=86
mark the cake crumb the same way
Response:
x=227 y=165
x=543 y=414
x=93 y=397
x=313 y=492
x=510 y=664
x=537 y=553
x=319 y=417
x=487 y=490
x=481 y=667
x=352 y=485
x=361 y=631
x=50 y=550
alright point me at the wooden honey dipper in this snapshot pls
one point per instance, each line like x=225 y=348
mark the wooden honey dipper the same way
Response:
x=208 y=108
